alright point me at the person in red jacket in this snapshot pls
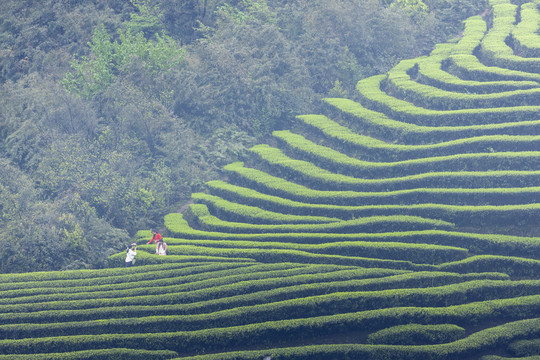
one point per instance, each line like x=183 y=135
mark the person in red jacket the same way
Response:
x=156 y=237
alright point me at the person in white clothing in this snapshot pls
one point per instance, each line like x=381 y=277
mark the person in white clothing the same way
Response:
x=161 y=248
x=130 y=254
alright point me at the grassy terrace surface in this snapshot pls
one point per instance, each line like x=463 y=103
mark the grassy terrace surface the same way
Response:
x=525 y=34
x=400 y=82
x=433 y=70
x=403 y=225
x=494 y=47
x=372 y=93
x=382 y=126
x=465 y=64
x=349 y=142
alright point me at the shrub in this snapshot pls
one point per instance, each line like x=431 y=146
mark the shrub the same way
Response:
x=417 y=334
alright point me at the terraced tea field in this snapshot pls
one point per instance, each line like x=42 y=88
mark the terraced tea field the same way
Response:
x=402 y=224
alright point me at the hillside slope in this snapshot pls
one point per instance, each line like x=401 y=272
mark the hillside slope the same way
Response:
x=398 y=225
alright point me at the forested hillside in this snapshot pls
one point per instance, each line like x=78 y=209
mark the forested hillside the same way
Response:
x=112 y=112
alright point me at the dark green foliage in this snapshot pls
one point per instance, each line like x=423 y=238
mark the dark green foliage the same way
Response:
x=496 y=357
x=40 y=235
x=261 y=79
x=415 y=334
x=196 y=341
x=105 y=354
x=525 y=347
x=484 y=243
x=450 y=12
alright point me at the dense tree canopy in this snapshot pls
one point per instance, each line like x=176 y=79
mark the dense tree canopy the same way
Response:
x=113 y=112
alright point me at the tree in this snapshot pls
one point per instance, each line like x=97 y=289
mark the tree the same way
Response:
x=104 y=175
x=243 y=72
x=110 y=60
x=451 y=13
x=36 y=234
x=148 y=19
